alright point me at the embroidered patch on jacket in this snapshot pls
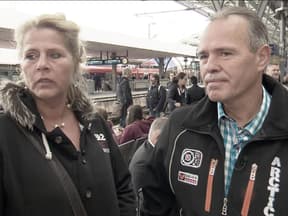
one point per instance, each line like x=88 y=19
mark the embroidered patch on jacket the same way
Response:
x=188 y=178
x=191 y=158
x=102 y=141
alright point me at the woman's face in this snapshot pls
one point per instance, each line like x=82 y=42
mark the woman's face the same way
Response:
x=182 y=82
x=47 y=64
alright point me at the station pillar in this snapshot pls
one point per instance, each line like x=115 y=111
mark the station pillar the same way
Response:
x=114 y=77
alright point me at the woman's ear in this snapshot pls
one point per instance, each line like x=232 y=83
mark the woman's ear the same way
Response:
x=263 y=57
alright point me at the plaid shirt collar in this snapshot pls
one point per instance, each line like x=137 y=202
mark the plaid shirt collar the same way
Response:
x=255 y=124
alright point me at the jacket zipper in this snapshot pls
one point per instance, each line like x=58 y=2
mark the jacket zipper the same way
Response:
x=249 y=191
x=209 y=188
x=224 y=208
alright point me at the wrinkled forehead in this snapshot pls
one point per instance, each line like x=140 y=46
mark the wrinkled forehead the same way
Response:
x=232 y=29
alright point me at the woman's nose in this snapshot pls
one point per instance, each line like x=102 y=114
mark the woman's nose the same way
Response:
x=42 y=63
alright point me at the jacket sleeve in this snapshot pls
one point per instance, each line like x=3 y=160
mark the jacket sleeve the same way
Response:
x=147 y=98
x=162 y=99
x=125 y=193
x=188 y=97
x=122 y=178
x=127 y=135
x=158 y=198
x=1 y=186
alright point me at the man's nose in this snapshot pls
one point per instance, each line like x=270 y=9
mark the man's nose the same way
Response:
x=211 y=65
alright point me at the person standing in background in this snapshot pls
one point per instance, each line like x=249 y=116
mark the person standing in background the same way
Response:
x=195 y=92
x=156 y=96
x=177 y=92
x=124 y=96
x=273 y=70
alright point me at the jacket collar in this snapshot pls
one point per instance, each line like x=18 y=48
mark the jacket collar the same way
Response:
x=204 y=113
x=18 y=102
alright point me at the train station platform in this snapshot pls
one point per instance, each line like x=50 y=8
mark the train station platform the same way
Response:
x=108 y=101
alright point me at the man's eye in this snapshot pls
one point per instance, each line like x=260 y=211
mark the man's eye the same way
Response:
x=202 y=56
x=224 y=54
x=55 y=55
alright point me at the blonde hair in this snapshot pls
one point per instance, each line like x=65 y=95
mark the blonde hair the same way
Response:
x=75 y=46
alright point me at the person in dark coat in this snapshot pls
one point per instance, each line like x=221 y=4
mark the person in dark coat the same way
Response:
x=50 y=135
x=195 y=92
x=156 y=96
x=136 y=125
x=124 y=95
x=177 y=92
x=138 y=164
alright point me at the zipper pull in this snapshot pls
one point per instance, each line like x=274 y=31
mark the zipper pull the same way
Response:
x=253 y=172
x=224 y=208
x=213 y=167
x=249 y=190
x=209 y=187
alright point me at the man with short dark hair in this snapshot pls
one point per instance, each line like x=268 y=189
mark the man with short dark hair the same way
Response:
x=227 y=153
x=156 y=96
x=195 y=92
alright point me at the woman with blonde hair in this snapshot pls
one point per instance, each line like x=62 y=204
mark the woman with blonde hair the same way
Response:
x=56 y=156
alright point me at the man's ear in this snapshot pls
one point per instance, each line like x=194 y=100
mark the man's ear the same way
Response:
x=263 y=57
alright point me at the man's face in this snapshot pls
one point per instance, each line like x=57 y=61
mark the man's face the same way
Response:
x=228 y=68
x=273 y=70
x=152 y=80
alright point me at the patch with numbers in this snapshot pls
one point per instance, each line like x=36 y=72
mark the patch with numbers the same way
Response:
x=191 y=158
x=188 y=178
x=102 y=141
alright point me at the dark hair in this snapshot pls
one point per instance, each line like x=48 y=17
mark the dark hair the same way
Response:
x=257 y=31
x=135 y=113
x=180 y=75
x=194 y=80
x=156 y=77
x=102 y=112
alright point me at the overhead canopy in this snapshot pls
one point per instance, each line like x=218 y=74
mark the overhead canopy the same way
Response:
x=104 y=43
x=136 y=48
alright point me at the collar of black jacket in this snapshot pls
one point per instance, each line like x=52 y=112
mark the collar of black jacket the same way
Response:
x=203 y=115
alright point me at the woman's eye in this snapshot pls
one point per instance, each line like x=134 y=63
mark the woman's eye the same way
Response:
x=30 y=56
x=55 y=55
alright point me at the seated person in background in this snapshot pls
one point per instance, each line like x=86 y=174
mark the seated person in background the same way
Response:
x=138 y=163
x=195 y=92
x=103 y=113
x=137 y=126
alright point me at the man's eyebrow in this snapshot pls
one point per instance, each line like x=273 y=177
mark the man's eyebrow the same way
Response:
x=201 y=52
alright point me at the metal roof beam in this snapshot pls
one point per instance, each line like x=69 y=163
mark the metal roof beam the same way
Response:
x=217 y=4
x=241 y=3
x=261 y=8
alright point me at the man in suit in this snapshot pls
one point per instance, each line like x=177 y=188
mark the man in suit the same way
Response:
x=195 y=92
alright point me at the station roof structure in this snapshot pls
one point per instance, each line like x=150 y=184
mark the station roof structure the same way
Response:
x=274 y=14
x=104 y=44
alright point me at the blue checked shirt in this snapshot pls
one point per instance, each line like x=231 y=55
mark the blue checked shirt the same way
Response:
x=235 y=138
